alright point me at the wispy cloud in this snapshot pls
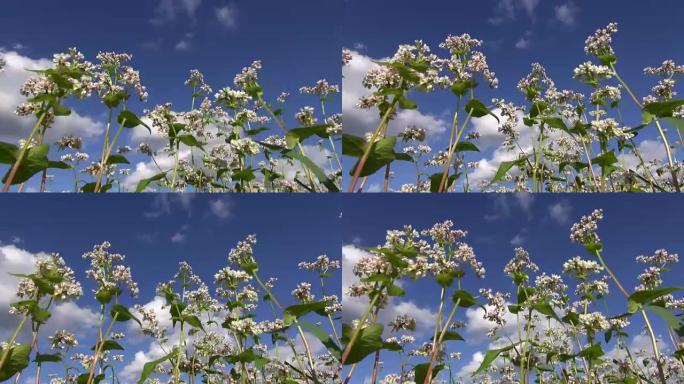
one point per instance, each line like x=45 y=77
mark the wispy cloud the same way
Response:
x=567 y=13
x=227 y=15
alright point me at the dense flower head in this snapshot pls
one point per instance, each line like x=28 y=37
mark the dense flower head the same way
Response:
x=196 y=81
x=321 y=88
x=585 y=230
x=63 y=339
x=346 y=56
x=107 y=274
x=50 y=268
x=3 y=63
x=322 y=264
x=600 y=43
x=248 y=75
x=520 y=264
x=581 y=268
x=667 y=69
x=243 y=251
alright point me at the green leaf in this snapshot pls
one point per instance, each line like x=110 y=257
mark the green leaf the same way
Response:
x=506 y=166
x=640 y=298
x=244 y=175
x=663 y=108
x=113 y=100
x=453 y=336
x=369 y=341
x=463 y=299
x=109 y=345
x=150 y=367
x=665 y=314
x=436 y=180
x=381 y=153
x=547 y=310
x=405 y=103
x=315 y=169
x=592 y=353
x=35 y=160
x=8 y=153
x=296 y=311
x=83 y=378
x=352 y=145
x=324 y=337
x=395 y=290
x=17 y=360
x=476 y=109
x=122 y=314
x=445 y=279
x=190 y=141
x=490 y=356
x=421 y=371
x=298 y=135
x=461 y=88
x=47 y=358
x=466 y=146
x=144 y=183
x=117 y=159
x=60 y=110
x=129 y=119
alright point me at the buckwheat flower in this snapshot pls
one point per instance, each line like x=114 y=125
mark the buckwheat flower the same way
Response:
x=246 y=146
x=594 y=322
x=346 y=56
x=678 y=113
x=664 y=90
x=196 y=81
x=403 y=323
x=461 y=44
x=597 y=288
x=650 y=278
x=322 y=264
x=107 y=274
x=63 y=339
x=413 y=133
x=606 y=93
x=276 y=140
x=82 y=156
x=667 y=69
x=609 y=128
x=496 y=308
x=145 y=149
x=248 y=75
x=69 y=141
x=67 y=158
x=520 y=264
x=580 y=268
x=303 y=292
x=332 y=304
x=231 y=278
x=585 y=230
x=335 y=123
x=282 y=97
x=660 y=257
x=444 y=232
x=243 y=251
x=437 y=159
x=150 y=322
x=322 y=89
x=306 y=116
x=124 y=149
x=232 y=98
x=591 y=74
x=599 y=44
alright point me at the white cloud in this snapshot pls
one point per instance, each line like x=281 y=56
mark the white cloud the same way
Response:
x=650 y=150
x=185 y=44
x=65 y=315
x=520 y=238
x=560 y=212
x=220 y=208
x=567 y=13
x=507 y=10
x=359 y=46
x=503 y=205
x=468 y=369
x=181 y=235
x=522 y=43
x=163 y=204
x=358 y=121
x=13 y=127
x=227 y=15
x=169 y=10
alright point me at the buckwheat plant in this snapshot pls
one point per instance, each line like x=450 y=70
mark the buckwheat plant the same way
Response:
x=543 y=331
x=202 y=333
x=232 y=139
x=558 y=140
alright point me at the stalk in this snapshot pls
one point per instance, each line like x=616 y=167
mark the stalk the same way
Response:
x=10 y=344
x=22 y=153
x=661 y=132
x=357 y=330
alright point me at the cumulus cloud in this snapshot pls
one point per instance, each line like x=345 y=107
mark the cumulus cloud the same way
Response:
x=354 y=306
x=13 y=128
x=503 y=205
x=566 y=13
x=507 y=10
x=170 y=10
x=227 y=15
x=650 y=150
x=185 y=44
x=560 y=212
x=65 y=315
x=163 y=203
x=358 y=121
x=220 y=208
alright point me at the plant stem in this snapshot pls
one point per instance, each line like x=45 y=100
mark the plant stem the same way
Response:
x=22 y=153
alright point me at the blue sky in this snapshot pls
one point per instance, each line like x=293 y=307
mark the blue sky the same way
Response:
x=296 y=42
x=551 y=32
x=155 y=232
x=633 y=225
